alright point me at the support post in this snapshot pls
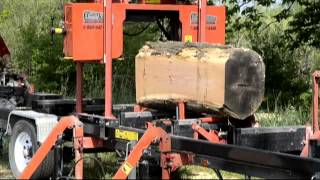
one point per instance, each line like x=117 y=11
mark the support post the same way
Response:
x=78 y=147
x=315 y=122
x=165 y=148
x=79 y=96
x=181 y=110
x=306 y=148
x=107 y=57
x=202 y=20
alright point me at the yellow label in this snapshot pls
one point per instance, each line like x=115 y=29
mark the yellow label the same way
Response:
x=126 y=168
x=127 y=135
x=153 y=1
x=187 y=38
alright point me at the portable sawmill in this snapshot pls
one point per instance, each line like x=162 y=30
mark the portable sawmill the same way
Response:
x=195 y=101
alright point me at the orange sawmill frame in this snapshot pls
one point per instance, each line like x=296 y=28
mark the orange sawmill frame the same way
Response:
x=152 y=135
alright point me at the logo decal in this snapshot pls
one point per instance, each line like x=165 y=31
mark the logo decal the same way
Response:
x=211 y=21
x=92 y=17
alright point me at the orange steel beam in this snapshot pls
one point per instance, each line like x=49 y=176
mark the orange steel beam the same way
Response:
x=209 y=136
x=65 y=123
x=165 y=148
x=305 y=150
x=152 y=134
x=211 y=120
x=315 y=121
x=182 y=110
x=202 y=20
x=107 y=57
x=78 y=146
x=91 y=143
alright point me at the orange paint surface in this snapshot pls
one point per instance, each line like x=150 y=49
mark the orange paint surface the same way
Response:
x=84 y=26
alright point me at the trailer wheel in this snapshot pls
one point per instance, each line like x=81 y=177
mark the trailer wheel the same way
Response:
x=23 y=145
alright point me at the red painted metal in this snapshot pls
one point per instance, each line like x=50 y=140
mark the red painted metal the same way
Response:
x=79 y=97
x=172 y=161
x=68 y=122
x=151 y=134
x=211 y=120
x=139 y=108
x=305 y=150
x=78 y=149
x=309 y=135
x=195 y=135
x=315 y=122
x=165 y=148
x=181 y=110
x=93 y=34
x=315 y=134
x=91 y=143
x=83 y=40
x=107 y=57
x=202 y=20
x=3 y=48
x=211 y=136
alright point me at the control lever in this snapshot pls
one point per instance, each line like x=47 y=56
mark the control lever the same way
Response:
x=54 y=30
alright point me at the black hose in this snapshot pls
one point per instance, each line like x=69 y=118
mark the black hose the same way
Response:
x=87 y=157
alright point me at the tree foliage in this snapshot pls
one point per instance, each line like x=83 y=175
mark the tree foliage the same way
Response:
x=25 y=27
x=285 y=34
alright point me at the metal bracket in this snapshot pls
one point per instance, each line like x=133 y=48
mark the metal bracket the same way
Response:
x=151 y=135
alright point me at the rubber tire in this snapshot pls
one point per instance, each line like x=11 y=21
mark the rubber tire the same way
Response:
x=46 y=168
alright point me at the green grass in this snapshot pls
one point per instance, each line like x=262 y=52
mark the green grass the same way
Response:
x=283 y=116
x=4 y=168
x=4 y=162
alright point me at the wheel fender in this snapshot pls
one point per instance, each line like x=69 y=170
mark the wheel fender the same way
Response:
x=44 y=122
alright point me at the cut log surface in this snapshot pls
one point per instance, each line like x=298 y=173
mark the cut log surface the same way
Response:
x=207 y=77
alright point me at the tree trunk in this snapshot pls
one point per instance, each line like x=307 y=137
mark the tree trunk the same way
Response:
x=207 y=77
